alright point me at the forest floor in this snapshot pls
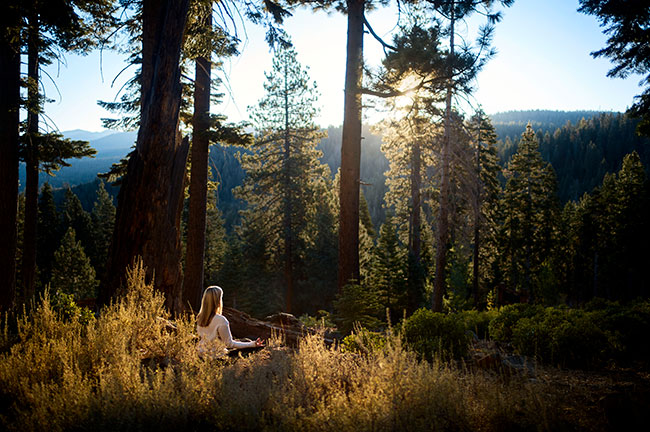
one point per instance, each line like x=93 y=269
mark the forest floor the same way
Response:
x=612 y=399
x=603 y=399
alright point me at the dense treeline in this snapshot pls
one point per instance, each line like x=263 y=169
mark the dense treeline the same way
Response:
x=591 y=247
x=581 y=149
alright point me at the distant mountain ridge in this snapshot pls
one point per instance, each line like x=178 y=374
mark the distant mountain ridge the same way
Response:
x=111 y=146
x=513 y=123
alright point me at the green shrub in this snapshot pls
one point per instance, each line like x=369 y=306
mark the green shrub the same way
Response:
x=363 y=341
x=501 y=327
x=578 y=342
x=478 y=321
x=628 y=328
x=65 y=306
x=561 y=336
x=432 y=334
x=356 y=305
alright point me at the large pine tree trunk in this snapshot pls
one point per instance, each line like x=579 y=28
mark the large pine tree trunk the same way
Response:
x=151 y=197
x=195 y=249
x=416 y=182
x=351 y=149
x=477 y=221
x=31 y=161
x=477 y=218
x=9 y=108
x=442 y=233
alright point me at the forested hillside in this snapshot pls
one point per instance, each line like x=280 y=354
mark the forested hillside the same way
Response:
x=582 y=146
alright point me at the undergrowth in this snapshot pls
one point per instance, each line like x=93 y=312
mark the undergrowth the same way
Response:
x=129 y=370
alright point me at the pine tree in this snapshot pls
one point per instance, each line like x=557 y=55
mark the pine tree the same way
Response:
x=72 y=272
x=284 y=168
x=49 y=233
x=627 y=24
x=318 y=289
x=388 y=275
x=102 y=222
x=215 y=242
x=409 y=145
x=74 y=26
x=75 y=217
x=531 y=209
x=485 y=206
x=9 y=148
x=150 y=200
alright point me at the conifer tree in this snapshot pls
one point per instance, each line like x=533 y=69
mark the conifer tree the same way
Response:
x=9 y=148
x=487 y=193
x=68 y=25
x=531 y=209
x=215 y=242
x=72 y=272
x=627 y=24
x=150 y=200
x=49 y=232
x=388 y=275
x=409 y=145
x=284 y=168
x=318 y=288
x=102 y=222
x=75 y=217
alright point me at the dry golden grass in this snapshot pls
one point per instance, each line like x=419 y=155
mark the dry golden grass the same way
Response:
x=127 y=371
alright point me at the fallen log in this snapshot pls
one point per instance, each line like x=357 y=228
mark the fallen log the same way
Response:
x=286 y=325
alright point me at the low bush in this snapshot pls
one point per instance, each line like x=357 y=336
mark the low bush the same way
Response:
x=501 y=327
x=478 y=321
x=432 y=334
x=363 y=341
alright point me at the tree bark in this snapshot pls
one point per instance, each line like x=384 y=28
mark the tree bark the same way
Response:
x=416 y=182
x=9 y=120
x=196 y=225
x=150 y=199
x=477 y=218
x=348 y=266
x=31 y=161
x=443 y=216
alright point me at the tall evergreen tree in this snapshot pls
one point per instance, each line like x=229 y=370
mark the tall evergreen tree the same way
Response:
x=487 y=193
x=203 y=39
x=102 y=222
x=9 y=130
x=531 y=209
x=75 y=217
x=284 y=168
x=388 y=275
x=49 y=28
x=462 y=66
x=409 y=145
x=151 y=195
x=72 y=272
x=627 y=23
x=49 y=232
x=216 y=243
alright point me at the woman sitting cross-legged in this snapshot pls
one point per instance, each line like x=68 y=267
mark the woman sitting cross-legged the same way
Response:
x=214 y=329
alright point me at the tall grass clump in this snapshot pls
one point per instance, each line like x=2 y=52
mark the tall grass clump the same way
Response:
x=129 y=369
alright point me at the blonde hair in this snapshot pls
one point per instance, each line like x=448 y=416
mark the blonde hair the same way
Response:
x=211 y=304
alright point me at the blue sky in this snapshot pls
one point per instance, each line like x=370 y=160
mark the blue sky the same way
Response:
x=543 y=62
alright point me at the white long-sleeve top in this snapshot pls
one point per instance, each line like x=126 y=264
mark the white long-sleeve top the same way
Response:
x=219 y=329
